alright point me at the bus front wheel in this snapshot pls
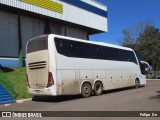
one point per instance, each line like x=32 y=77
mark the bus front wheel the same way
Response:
x=137 y=83
x=86 y=90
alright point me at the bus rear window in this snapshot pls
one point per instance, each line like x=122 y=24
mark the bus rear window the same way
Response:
x=37 y=44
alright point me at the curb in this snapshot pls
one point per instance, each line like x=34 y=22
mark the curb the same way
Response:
x=153 y=79
x=23 y=100
x=18 y=101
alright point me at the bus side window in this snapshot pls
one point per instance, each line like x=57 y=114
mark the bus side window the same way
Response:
x=66 y=48
x=61 y=44
x=73 y=48
x=130 y=57
x=102 y=52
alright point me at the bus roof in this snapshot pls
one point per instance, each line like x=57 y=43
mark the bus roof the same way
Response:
x=85 y=41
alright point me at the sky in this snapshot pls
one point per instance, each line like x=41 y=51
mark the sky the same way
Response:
x=124 y=14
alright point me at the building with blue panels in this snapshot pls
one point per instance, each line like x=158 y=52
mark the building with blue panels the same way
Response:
x=20 y=20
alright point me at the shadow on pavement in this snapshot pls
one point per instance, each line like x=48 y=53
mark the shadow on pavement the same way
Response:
x=6 y=69
x=117 y=90
x=157 y=96
x=57 y=99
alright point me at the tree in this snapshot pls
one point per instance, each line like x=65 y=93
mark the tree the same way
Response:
x=145 y=38
x=131 y=35
x=149 y=45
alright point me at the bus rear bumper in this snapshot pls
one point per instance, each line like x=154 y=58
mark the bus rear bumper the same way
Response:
x=51 y=91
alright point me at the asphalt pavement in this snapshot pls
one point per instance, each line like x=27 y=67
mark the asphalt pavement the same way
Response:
x=129 y=99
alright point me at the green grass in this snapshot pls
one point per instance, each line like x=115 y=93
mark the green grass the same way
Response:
x=18 y=77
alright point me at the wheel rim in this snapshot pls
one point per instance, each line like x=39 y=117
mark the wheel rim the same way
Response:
x=137 y=84
x=86 y=89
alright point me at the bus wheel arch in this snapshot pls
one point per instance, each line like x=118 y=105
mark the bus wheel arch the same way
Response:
x=137 y=83
x=86 y=89
x=98 y=88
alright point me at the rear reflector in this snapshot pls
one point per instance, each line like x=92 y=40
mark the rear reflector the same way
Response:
x=50 y=80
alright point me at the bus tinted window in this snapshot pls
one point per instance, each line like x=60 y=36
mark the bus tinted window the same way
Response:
x=37 y=44
x=78 y=49
x=63 y=47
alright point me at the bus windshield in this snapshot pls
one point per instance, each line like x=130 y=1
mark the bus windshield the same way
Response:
x=139 y=55
x=37 y=44
x=142 y=65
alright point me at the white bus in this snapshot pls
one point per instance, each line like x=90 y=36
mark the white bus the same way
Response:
x=59 y=65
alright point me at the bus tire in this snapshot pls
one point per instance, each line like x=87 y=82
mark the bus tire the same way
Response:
x=86 y=90
x=137 y=83
x=98 y=88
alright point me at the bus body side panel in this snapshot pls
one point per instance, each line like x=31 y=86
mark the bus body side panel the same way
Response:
x=142 y=79
x=68 y=82
x=59 y=82
x=66 y=76
x=110 y=81
x=113 y=74
x=52 y=64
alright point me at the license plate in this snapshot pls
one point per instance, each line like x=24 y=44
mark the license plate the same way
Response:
x=37 y=91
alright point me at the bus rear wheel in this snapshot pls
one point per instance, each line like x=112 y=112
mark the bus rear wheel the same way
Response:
x=98 y=88
x=86 y=90
x=137 y=83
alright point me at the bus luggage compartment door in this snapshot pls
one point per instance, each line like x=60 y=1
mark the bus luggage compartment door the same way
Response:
x=68 y=82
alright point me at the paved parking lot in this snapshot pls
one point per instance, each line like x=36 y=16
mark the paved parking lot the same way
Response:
x=142 y=99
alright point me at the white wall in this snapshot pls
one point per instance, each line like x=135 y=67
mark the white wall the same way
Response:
x=83 y=17
x=70 y=13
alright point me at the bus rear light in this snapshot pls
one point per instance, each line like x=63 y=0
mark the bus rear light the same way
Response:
x=28 y=81
x=50 y=80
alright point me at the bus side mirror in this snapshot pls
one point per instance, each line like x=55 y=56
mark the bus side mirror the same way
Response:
x=147 y=69
x=146 y=66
